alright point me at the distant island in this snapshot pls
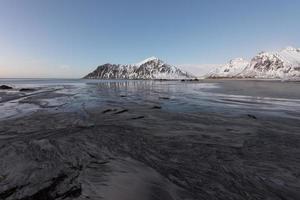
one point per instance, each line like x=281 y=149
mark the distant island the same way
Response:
x=151 y=68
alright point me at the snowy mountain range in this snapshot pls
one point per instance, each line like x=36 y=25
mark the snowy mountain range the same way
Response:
x=283 y=64
x=151 y=68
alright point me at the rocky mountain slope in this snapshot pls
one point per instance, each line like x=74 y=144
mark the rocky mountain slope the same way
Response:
x=233 y=68
x=283 y=64
x=151 y=68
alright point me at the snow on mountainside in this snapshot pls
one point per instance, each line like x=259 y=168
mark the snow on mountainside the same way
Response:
x=284 y=64
x=229 y=70
x=151 y=68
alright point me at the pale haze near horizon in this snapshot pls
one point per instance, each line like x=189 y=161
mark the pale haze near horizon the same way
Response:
x=68 y=39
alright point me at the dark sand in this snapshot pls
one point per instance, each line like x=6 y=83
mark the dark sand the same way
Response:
x=151 y=140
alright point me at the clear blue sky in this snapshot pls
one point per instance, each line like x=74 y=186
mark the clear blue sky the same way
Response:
x=68 y=38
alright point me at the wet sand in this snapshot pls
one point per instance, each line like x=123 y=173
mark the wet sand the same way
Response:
x=151 y=140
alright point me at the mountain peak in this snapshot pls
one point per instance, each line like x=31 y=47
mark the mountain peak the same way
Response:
x=148 y=60
x=290 y=48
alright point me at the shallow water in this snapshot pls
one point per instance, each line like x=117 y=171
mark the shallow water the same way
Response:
x=91 y=139
x=173 y=96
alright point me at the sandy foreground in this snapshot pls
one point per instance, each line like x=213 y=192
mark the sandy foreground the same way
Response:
x=135 y=140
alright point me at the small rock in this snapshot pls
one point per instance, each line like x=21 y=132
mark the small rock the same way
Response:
x=164 y=98
x=5 y=87
x=252 y=116
x=156 y=107
x=2 y=177
x=191 y=80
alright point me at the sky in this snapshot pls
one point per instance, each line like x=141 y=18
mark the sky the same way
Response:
x=69 y=38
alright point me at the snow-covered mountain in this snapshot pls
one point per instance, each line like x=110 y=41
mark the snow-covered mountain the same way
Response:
x=232 y=69
x=283 y=64
x=151 y=68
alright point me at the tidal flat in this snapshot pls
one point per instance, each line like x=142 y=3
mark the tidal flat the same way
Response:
x=147 y=140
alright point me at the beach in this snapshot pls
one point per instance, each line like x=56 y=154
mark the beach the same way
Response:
x=118 y=139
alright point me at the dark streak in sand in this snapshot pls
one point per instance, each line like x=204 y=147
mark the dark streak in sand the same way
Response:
x=156 y=107
x=106 y=111
x=252 y=116
x=165 y=98
x=121 y=111
x=139 y=117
